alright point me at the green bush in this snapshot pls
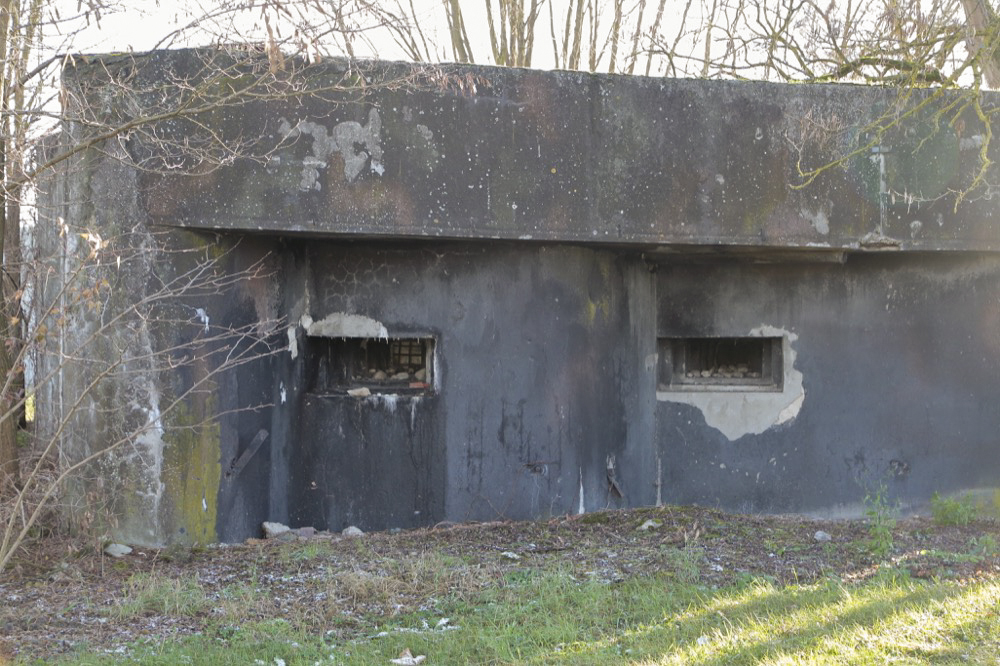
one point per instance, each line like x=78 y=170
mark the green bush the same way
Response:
x=952 y=511
x=881 y=522
x=985 y=545
x=685 y=563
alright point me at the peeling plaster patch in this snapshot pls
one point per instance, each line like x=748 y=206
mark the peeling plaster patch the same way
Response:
x=343 y=325
x=974 y=142
x=390 y=400
x=146 y=457
x=358 y=145
x=818 y=220
x=414 y=403
x=791 y=411
x=150 y=443
x=293 y=342
x=435 y=365
x=203 y=317
x=736 y=414
x=425 y=132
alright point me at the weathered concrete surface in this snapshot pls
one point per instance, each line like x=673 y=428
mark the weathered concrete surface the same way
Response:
x=900 y=359
x=539 y=383
x=627 y=210
x=133 y=324
x=546 y=370
x=479 y=152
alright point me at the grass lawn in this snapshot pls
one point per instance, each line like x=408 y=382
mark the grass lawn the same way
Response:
x=701 y=587
x=553 y=618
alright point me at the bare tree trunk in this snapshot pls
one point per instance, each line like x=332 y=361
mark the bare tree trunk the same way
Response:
x=9 y=463
x=594 y=55
x=9 y=459
x=656 y=30
x=573 y=62
x=982 y=22
x=529 y=33
x=616 y=29
x=460 y=45
x=707 y=61
x=18 y=30
x=633 y=55
x=513 y=41
x=555 y=41
x=498 y=40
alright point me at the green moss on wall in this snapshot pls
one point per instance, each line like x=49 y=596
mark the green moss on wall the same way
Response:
x=192 y=471
x=599 y=292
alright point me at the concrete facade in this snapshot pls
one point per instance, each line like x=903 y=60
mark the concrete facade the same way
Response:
x=564 y=260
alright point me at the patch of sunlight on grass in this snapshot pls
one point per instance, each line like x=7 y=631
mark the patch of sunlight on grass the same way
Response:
x=927 y=626
x=897 y=622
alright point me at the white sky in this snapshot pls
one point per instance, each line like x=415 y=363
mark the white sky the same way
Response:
x=142 y=24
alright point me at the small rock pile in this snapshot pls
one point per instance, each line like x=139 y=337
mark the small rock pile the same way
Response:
x=285 y=533
x=394 y=375
x=741 y=371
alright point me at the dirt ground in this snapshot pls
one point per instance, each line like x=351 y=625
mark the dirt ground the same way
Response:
x=60 y=594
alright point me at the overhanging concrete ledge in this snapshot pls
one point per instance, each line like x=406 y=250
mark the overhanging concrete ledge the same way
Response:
x=566 y=156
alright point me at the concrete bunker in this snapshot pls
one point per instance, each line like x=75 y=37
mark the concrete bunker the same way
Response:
x=508 y=309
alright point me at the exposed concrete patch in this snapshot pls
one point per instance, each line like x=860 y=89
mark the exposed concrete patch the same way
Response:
x=343 y=325
x=818 y=220
x=425 y=132
x=203 y=317
x=736 y=414
x=149 y=446
x=974 y=142
x=346 y=138
x=791 y=411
